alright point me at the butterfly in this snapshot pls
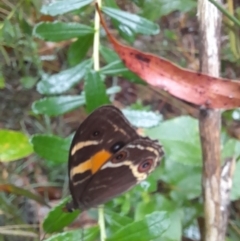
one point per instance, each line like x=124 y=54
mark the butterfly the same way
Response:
x=107 y=157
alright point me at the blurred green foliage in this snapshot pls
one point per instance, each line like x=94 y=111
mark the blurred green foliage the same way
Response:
x=168 y=204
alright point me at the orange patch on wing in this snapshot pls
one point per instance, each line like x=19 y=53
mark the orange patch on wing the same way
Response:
x=99 y=159
x=93 y=164
x=81 y=168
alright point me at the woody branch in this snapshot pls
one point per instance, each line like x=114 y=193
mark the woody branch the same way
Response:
x=209 y=122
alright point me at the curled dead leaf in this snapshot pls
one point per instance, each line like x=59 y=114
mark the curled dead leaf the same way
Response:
x=196 y=88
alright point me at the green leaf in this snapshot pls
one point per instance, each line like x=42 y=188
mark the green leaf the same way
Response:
x=174 y=231
x=149 y=185
x=158 y=202
x=2 y=81
x=25 y=26
x=180 y=139
x=52 y=148
x=78 y=50
x=235 y=192
x=61 y=7
x=63 y=81
x=57 y=219
x=90 y=234
x=143 y=208
x=116 y=67
x=8 y=31
x=116 y=221
x=13 y=145
x=185 y=180
x=167 y=7
x=231 y=149
x=144 y=119
x=191 y=211
x=108 y=55
x=59 y=31
x=95 y=91
x=28 y=81
x=134 y=22
x=158 y=8
x=152 y=226
x=125 y=32
x=54 y=106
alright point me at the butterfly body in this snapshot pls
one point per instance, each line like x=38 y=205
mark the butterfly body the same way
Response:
x=107 y=157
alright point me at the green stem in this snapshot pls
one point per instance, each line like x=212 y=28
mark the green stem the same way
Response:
x=101 y=222
x=232 y=38
x=47 y=121
x=96 y=41
x=96 y=66
x=225 y=12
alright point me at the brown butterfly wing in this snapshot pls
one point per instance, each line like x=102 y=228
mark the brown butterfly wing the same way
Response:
x=139 y=159
x=100 y=135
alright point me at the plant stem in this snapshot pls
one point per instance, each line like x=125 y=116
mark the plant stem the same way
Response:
x=232 y=37
x=96 y=41
x=225 y=12
x=101 y=222
x=96 y=66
